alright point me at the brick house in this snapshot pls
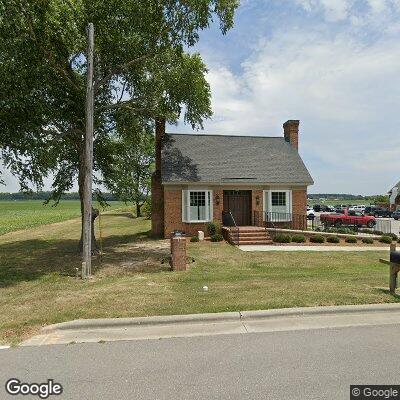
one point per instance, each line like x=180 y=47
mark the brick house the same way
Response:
x=199 y=176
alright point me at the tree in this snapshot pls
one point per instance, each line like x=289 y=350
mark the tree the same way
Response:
x=141 y=69
x=382 y=198
x=132 y=165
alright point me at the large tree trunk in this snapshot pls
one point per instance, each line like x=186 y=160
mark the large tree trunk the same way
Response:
x=95 y=212
x=157 y=191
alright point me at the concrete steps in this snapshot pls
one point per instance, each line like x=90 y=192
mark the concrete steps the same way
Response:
x=248 y=236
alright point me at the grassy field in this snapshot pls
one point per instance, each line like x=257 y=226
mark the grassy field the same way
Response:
x=15 y=215
x=332 y=202
x=38 y=284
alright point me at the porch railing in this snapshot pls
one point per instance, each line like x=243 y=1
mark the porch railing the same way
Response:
x=229 y=220
x=281 y=220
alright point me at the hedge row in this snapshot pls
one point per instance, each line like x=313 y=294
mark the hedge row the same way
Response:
x=283 y=238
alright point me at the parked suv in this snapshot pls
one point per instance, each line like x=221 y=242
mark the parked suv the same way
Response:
x=378 y=212
x=396 y=215
x=360 y=208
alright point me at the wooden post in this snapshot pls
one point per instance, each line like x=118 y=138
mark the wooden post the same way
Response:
x=87 y=186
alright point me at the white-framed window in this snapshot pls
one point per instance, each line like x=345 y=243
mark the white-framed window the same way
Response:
x=277 y=205
x=197 y=205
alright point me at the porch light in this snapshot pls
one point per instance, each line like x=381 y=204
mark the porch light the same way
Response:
x=258 y=200
x=217 y=199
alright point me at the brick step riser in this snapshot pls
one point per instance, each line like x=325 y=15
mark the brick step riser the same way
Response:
x=253 y=237
x=257 y=239
x=261 y=235
x=254 y=243
x=249 y=234
x=247 y=231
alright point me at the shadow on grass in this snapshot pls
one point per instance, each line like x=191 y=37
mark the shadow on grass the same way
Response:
x=387 y=292
x=29 y=260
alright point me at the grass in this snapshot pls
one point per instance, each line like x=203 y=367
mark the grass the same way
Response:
x=25 y=214
x=38 y=284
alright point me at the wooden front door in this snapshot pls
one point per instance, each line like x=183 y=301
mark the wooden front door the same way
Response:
x=238 y=202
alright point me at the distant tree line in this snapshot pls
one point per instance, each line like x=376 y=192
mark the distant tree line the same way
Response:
x=345 y=196
x=43 y=195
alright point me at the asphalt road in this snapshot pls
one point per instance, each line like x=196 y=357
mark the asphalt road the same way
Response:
x=310 y=364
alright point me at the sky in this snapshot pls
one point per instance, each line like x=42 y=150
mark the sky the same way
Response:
x=332 y=64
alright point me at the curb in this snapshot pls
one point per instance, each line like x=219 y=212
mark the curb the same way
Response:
x=143 y=321
x=219 y=317
x=323 y=310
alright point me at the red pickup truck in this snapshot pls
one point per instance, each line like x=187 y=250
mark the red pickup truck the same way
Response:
x=348 y=218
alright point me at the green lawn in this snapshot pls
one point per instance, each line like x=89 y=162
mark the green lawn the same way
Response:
x=38 y=284
x=15 y=215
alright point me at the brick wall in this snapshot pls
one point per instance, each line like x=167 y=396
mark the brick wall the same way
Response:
x=257 y=209
x=299 y=201
x=173 y=214
x=217 y=211
x=173 y=208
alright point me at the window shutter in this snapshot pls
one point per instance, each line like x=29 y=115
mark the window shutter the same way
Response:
x=185 y=205
x=265 y=203
x=210 y=215
x=289 y=202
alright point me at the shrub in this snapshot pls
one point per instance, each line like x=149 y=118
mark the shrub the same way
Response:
x=217 y=238
x=351 y=240
x=367 y=240
x=377 y=232
x=386 y=239
x=281 y=238
x=317 y=239
x=146 y=209
x=194 y=239
x=298 y=239
x=332 y=239
x=392 y=235
x=346 y=231
x=213 y=228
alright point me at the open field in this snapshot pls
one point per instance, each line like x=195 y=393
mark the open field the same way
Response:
x=15 y=215
x=333 y=202
x=38 y=284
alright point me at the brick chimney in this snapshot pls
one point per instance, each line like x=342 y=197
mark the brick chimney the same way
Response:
x=157 y=191
x=291 y=132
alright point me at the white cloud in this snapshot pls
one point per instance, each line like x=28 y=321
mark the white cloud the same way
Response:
x=343 y=91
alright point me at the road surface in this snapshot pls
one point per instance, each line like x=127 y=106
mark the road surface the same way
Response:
x=306 y=364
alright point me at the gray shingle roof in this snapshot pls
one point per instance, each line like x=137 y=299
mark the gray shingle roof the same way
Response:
x=228 y=159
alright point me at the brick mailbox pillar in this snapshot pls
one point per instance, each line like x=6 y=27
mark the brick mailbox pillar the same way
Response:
x=178 y=253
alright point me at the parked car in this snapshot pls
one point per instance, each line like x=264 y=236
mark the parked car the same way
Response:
x=310 y=214
x=378 y=212
x=396 y=215
x=355 y=218
x=360 y=208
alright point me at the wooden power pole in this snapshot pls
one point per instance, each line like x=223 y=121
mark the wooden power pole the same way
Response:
x=87 y=190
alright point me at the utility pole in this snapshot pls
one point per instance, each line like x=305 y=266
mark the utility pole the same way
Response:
x=87 y=187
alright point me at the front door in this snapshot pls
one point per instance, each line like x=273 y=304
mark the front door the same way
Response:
x=238 y=202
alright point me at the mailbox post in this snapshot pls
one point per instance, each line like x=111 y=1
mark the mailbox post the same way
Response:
x=394 y=265
x=178 y=252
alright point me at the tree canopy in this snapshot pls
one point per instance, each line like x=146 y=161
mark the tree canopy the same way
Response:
x=142 y=68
